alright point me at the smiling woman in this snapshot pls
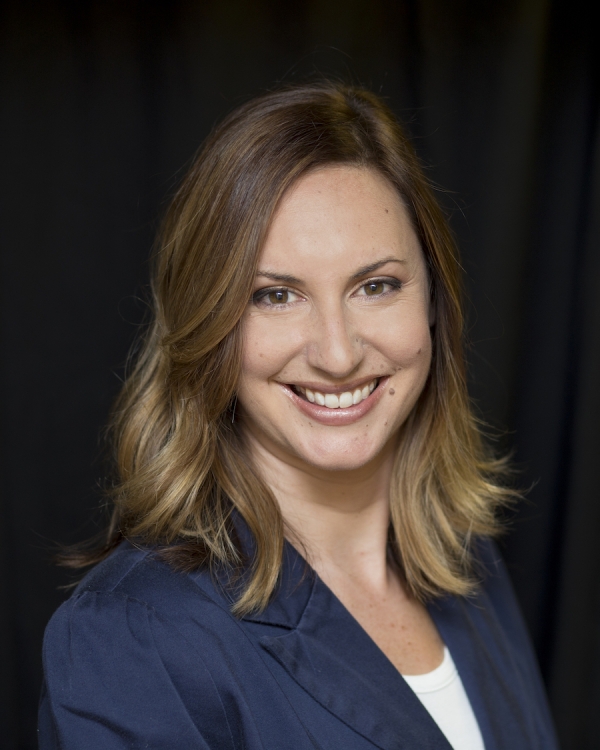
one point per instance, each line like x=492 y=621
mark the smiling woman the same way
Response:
x=356 y=320
x=300 y=551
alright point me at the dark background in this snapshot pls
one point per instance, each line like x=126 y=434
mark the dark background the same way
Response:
x=103 y=105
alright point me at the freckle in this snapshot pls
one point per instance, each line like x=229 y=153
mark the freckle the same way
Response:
x=392 y=391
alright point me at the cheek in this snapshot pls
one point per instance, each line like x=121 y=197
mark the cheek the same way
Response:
x=264 y=353
x=417 y=349
x=405 y=344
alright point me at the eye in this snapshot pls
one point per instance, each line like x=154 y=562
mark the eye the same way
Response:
x=274 y=297
x=278 y=297
x=378 y=287
x=374 y=287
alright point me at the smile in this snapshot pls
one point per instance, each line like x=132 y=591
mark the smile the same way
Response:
x=337 y=408
x=340 y=400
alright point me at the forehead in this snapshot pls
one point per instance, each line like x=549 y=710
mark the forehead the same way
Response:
x=338 y=212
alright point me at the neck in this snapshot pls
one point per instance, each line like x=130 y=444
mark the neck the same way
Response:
x=338 y=519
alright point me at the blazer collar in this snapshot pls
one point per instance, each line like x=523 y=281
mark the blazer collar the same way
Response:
x=296 y=583
x=497 y=685
x=330 y=655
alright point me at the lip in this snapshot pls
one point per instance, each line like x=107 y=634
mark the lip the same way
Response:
x=351 y=386
x=337 y=417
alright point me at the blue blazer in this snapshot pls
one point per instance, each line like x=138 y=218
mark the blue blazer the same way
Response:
x=142 y=656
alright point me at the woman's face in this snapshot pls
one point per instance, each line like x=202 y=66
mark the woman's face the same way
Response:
x=337 y=342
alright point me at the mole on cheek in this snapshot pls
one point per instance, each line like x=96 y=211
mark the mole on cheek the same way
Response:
x=392 y=391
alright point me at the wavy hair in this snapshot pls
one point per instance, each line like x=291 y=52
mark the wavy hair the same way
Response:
x=182 y=469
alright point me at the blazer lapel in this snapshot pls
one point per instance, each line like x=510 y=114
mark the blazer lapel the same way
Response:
x=330 y=656
x=492 y=680
x=328 y=653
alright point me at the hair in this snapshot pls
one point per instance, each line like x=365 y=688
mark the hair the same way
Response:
x=182 y=468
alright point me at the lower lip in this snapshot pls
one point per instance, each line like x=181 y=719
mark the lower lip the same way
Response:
x=337 y=417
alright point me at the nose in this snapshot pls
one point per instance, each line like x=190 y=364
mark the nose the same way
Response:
x=334 y=346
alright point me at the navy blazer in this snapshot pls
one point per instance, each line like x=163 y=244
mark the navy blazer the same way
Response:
x=143 y=656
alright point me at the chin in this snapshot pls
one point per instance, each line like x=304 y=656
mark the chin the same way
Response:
x=325 y=449
x=338 y=457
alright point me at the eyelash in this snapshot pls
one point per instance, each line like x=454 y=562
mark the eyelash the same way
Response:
x=395 y=285
x=260 y=296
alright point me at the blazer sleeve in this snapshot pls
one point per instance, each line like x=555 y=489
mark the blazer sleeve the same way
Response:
x=118 y=675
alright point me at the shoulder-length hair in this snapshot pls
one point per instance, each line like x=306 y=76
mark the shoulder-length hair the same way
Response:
x=182 y=467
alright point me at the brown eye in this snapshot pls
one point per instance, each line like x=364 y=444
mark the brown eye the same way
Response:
x=374 y=288
x=278 y=296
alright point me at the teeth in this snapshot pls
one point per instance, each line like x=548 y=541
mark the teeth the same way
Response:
x=339 y=400
x=345 y=400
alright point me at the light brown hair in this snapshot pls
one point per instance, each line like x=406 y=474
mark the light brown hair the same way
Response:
x=182 y=468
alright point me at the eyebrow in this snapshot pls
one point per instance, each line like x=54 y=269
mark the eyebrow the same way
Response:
x=365 y=270
x=285 y=278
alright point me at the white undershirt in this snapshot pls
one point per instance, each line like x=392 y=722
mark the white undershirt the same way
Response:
x=443 y=695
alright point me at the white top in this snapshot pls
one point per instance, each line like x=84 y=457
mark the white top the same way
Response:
x=443 y=695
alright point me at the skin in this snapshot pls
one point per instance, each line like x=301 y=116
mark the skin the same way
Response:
x=341 y=298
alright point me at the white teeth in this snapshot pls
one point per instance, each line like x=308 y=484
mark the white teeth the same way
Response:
x=332 y=401
x=339 y=400
x=345 y=400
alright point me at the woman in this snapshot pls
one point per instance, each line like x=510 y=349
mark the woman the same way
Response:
x=300 y=553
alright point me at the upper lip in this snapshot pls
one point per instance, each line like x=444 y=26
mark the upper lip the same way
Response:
x=342 y=388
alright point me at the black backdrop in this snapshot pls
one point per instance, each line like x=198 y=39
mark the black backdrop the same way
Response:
x=103 y=103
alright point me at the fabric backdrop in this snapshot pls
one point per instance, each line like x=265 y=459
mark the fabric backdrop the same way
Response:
x=103 y=105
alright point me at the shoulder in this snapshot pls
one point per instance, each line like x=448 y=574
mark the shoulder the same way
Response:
x=491 y=648
x=500 y=622
x=139 y=573
x=492 y=611
x=132 y=591
x=134 y=646
x=498 y=592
